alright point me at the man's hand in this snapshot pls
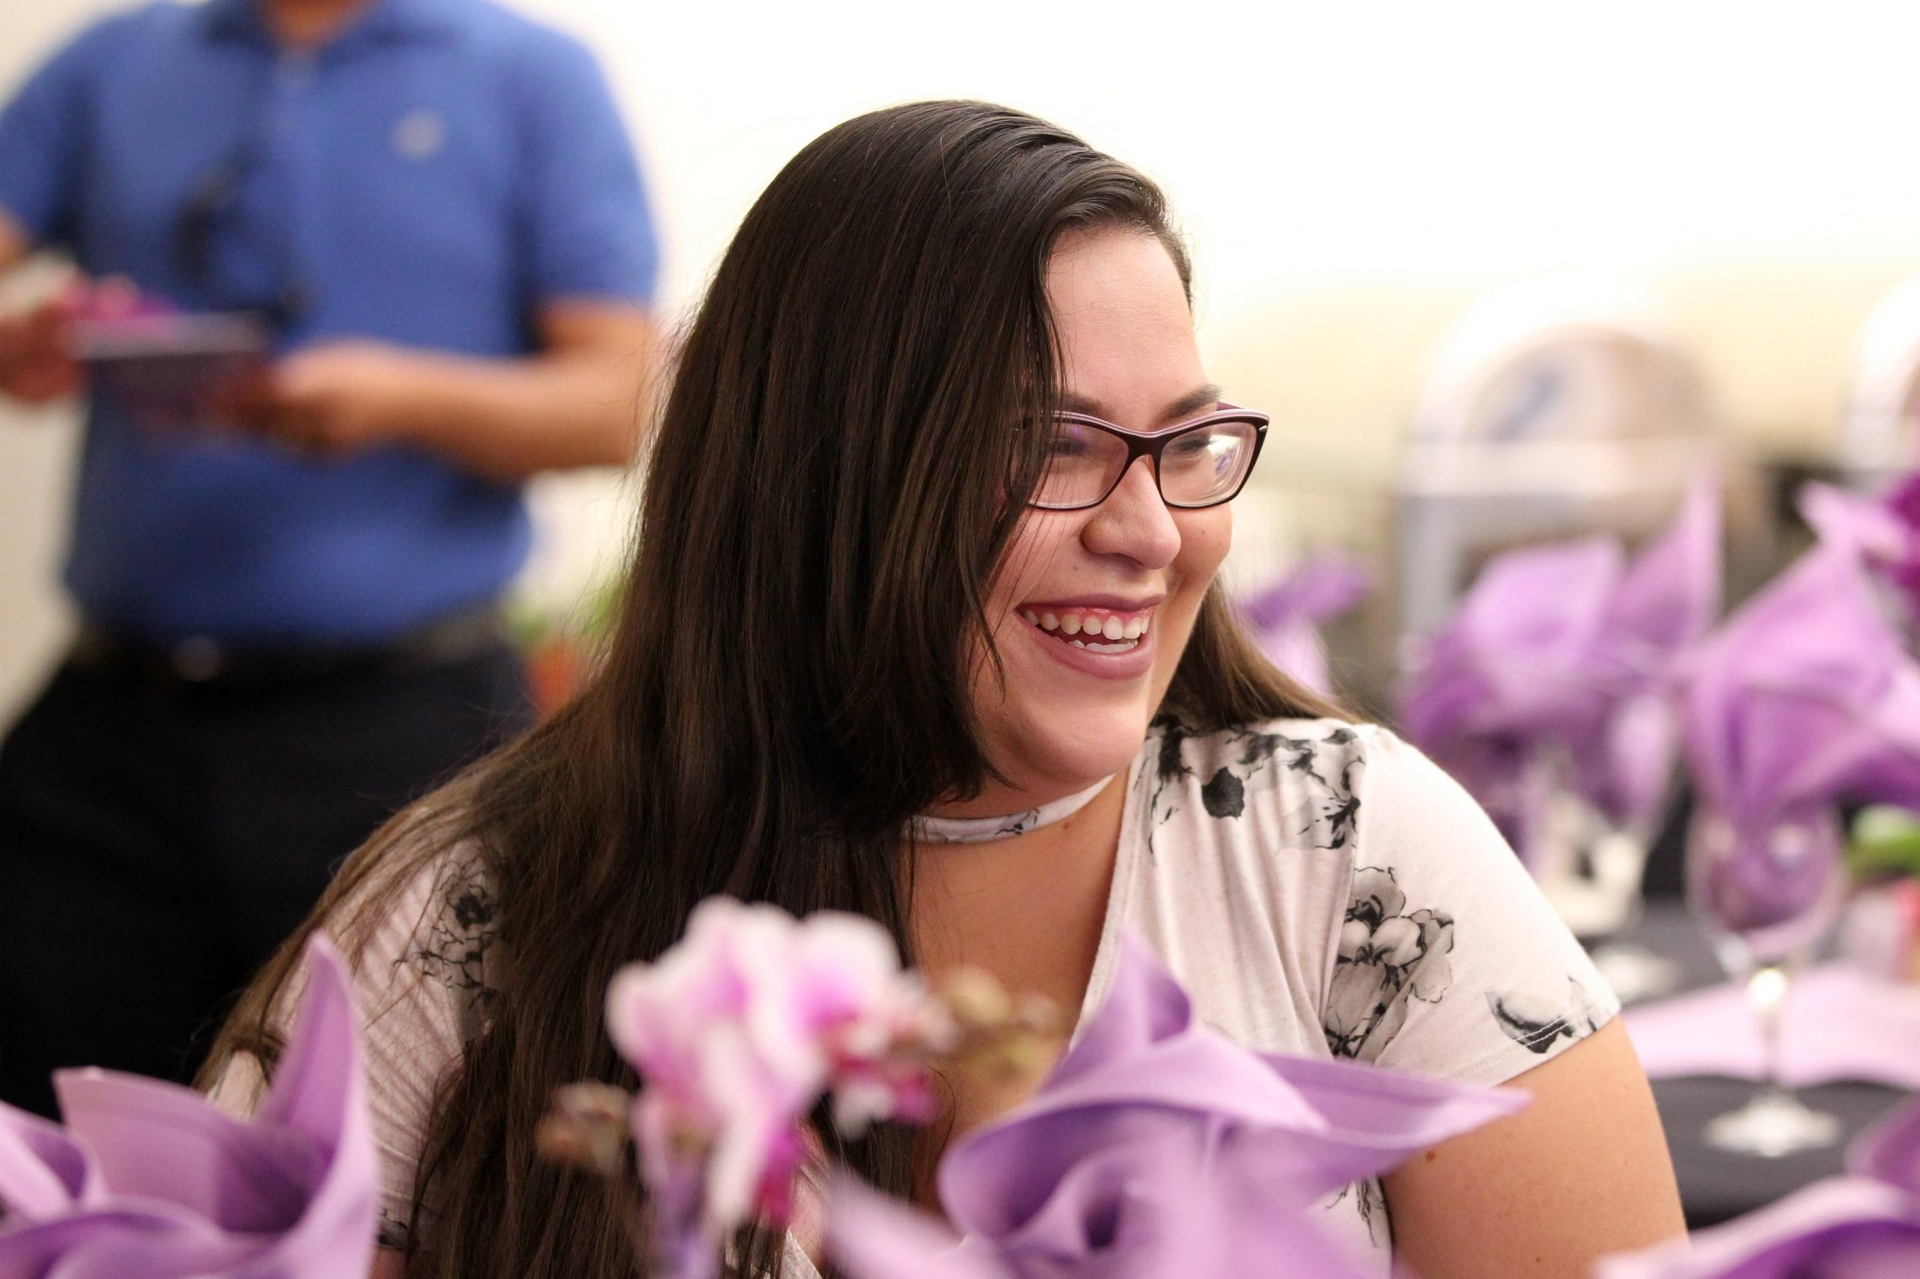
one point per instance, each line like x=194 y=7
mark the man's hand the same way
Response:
x=579 y=401
x=37 y=364
x=327 y=399
x=36 y=361
x=36 y=352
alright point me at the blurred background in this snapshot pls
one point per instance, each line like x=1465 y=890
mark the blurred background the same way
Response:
x=1352 y=177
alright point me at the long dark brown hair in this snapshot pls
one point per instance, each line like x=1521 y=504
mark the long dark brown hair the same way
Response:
x=836 y=475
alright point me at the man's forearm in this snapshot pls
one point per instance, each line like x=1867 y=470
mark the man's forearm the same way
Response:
x=582 y=401
x=508 y=419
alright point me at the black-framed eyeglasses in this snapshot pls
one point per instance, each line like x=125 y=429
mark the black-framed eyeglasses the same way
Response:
x=1197 y=463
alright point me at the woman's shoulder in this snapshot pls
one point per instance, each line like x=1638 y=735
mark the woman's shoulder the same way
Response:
x=1386 y=889
x=1295 y=781
x=417 y=926
x=1332 y=783
x=421 y=928
x=417 y=923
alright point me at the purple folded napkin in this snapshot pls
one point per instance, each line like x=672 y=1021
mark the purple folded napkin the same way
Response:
x=1284 y=618
x=1838 y=1023
x=1862 y=1226
x=1566 y=651
x=1804 y=697
x=149 y=1180
x=1884 y=530
x=1158 y=1147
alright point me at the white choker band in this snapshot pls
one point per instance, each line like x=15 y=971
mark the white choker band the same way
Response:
x=981 y=830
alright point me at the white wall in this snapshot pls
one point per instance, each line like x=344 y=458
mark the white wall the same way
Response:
x=1349 y=173
x=1313 y=144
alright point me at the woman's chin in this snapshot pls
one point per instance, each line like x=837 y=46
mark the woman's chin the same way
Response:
x=1073 y=750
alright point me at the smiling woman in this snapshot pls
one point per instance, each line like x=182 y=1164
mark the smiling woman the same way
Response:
x=923 y=624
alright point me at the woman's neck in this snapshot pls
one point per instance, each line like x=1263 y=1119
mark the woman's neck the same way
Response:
x=1030 y=910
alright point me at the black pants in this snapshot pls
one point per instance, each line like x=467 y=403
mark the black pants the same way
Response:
x=157 y=843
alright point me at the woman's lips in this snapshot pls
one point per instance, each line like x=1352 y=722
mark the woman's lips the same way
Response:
x=1113 y=643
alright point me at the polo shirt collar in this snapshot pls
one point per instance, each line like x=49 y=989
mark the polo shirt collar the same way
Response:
x=382 y=20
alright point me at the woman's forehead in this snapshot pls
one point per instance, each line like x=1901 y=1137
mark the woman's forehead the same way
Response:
x=1126 y=337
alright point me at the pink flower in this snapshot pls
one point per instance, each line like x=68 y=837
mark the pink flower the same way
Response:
x=740 y=1029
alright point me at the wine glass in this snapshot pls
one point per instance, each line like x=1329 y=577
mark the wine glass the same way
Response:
x=1765 y=898
x=1590 y=866
x=1605 y=902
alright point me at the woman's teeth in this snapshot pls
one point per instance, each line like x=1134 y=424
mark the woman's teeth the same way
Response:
x=1120 y=635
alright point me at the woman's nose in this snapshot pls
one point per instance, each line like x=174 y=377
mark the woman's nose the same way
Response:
x=1134 y=521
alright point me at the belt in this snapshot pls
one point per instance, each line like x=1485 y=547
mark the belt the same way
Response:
x=201 y=661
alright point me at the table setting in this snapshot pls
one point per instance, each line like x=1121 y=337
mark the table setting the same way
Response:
x=1590 y=699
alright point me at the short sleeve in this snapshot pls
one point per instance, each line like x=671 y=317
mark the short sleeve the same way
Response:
x=1450 y=961
x=589 y=232
x=44 y=134
x=418 y=982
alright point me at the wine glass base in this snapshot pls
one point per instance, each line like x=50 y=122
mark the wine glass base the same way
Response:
x=1773 y=1125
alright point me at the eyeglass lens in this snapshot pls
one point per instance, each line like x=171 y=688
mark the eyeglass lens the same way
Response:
x=1198 y=468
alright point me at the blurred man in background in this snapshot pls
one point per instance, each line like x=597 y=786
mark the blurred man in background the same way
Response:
x=288 y=614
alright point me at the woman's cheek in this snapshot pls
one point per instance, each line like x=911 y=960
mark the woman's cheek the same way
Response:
x=1205 y=538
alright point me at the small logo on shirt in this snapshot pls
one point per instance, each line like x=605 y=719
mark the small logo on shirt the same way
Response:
x=419 y=134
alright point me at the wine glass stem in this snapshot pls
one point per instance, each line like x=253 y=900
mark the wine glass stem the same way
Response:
x=1767 y=992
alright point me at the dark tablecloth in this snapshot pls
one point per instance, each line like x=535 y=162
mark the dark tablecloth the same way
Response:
x=1715 y=1186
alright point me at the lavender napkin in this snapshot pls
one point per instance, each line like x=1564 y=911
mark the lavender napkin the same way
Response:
x=1157 y=1147
x=1839 y=1022
x=150 y=1180
x=1566 y=650
x=1284 y=618
x=1804 y=697
x=1863 y=1226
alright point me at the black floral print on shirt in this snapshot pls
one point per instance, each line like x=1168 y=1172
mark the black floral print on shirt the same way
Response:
x=1370 y=1201
x=1388 y=957
x=454 y=948
x=1537 y=1023
x=1317 y=770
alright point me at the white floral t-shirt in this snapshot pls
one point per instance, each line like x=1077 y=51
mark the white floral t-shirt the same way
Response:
x=1324 y=889
x=1320 y=888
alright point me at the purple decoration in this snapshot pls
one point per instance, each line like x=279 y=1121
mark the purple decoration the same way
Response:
x=1804 y=697
x=1775 y=885
x=149 y=1179
x=1864 y=1226
x=1158 y=1147
x=1568 y=649
x=1284 y=618
x=1885 y=531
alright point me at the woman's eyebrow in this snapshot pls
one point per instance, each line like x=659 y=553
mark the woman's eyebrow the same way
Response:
x=1201 y=397
x=1204 y=397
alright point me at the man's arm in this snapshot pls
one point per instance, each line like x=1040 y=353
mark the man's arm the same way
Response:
x=15 y=244
x=35 y=344
x=36 y=359
x=580 y=401
x=1580 y=1173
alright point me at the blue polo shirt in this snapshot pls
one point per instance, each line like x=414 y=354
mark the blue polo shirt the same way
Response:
x=431 y=177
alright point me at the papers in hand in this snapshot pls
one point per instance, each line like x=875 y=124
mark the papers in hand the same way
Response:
x=167 y=369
